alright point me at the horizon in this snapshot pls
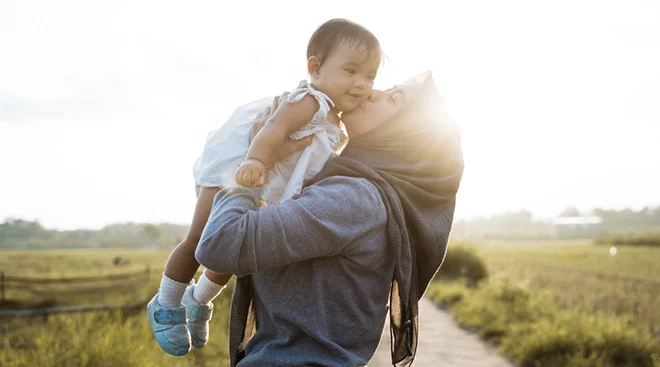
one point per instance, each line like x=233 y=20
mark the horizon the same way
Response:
x=104 y=108
x=534 y=218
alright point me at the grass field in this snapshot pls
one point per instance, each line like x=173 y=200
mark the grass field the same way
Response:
x=57 y=264
x=586 y=277
x=561 y=304
x=561 y=296
x=94 y=339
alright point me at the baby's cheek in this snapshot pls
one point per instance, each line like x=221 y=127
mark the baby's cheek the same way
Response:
x=368 y=91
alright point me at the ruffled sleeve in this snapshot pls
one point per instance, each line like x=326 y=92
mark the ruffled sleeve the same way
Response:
x=304 y=88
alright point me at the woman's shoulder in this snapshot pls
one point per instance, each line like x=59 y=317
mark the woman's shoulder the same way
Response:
x=355 y=195
x=350 y=188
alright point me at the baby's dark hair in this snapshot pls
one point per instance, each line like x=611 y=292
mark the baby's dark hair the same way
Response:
x=328 y=35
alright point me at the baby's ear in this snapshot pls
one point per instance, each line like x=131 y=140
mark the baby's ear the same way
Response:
x=313 y=66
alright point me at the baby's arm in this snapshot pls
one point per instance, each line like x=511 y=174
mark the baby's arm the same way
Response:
x=262 y=153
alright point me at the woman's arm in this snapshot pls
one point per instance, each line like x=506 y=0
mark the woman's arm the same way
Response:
x=328 y=219
x=263 y=150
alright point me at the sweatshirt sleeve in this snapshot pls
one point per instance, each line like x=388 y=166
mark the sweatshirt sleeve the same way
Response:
x=328 y=219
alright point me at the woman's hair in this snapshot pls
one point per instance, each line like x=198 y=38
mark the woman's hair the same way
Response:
x=329 y=34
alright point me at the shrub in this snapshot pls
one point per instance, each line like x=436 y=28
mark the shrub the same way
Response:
x=580 y=339
x=447 y=294
x=463 y=261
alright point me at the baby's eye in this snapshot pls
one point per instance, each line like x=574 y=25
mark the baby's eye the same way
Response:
x=371 y=77
x=350 y=71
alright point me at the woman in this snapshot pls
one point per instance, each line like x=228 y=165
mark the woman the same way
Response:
x=315 y=272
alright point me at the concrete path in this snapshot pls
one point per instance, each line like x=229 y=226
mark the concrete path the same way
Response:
x=442 y=343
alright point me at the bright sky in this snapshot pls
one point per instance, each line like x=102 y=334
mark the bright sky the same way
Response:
x=105 y=106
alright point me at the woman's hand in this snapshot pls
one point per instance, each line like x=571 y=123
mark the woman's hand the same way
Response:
x=290 y=146
x=262 y=117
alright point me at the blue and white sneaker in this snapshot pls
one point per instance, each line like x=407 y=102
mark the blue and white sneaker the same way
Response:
x=199 y=316
x=169 y=327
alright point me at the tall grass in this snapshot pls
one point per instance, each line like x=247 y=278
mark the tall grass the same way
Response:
x=532 y=331
x=103 y=338
x=586 y=278
x=528 y=314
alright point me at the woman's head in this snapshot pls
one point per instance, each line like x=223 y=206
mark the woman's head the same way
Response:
x=406 y=125
x=383 y=106
x=342 y=60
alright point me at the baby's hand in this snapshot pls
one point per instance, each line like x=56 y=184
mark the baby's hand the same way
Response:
x=251 y=173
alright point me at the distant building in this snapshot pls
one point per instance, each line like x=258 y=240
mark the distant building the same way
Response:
x=577 y=227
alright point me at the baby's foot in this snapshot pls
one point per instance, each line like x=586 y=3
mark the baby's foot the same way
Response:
x=169 y=327
x=199 y=316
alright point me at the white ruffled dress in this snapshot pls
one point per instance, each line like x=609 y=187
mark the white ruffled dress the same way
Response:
x=226 y=147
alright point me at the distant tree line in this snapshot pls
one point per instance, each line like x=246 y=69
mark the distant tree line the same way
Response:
x=19 y=233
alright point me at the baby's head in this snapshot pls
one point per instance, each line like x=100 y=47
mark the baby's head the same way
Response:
x=343 y=59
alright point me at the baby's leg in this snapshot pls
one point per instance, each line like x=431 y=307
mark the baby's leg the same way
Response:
x=217 y=278
x=182 y=301
x=181 y=266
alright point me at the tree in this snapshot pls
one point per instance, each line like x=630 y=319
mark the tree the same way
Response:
x=152 y=232
x=571 y=211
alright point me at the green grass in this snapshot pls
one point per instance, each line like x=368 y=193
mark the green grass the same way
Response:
x=648 y=240
x=101 y=338
x=585 y=277
x=594 y=308
x=634 y=262
x=83 y=262
x=532 y=331
x=59 y=264
x=561 y=304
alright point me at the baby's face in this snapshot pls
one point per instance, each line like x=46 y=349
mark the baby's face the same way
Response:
x=347 y=75
x=381 y=106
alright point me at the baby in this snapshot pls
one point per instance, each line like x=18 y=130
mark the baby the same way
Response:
x=342 y=62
